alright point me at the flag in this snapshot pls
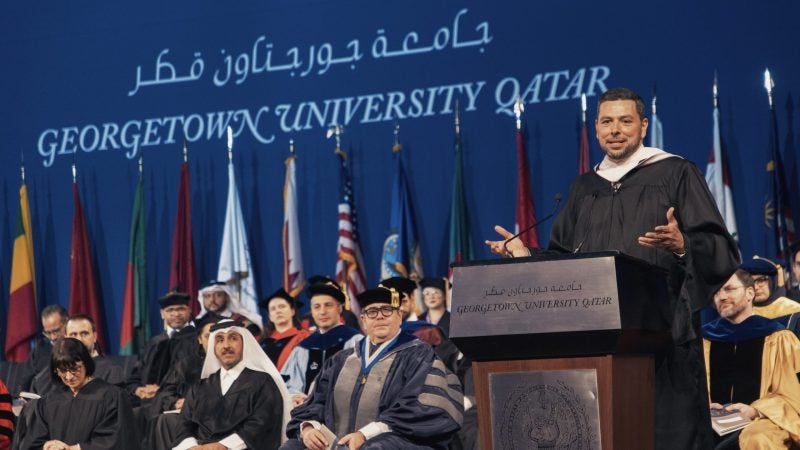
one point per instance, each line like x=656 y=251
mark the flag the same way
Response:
x=460 y=239
x=718 y=179
x=234 y=256
x=401 y=252
x=349 y=262
x=135 y=327
x=656 y=129
x=526 y=211
x=22 y=316
x=83 y=296
x=293 y=279
x=777 y=211
x=583 y=149
x=183 y=274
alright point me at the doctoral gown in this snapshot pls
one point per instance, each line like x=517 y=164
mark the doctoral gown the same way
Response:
x=407 y=388
x=252 y=408
x=308 y=357
x=757 y=343
x=160 y=354
x=98 y=418
x=278 y=346
x=600 y=215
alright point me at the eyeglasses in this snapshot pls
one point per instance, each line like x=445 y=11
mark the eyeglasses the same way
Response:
x=57 y=333
x=386 y=311
x=760 y=280
x=729 y=289
x=72 y=371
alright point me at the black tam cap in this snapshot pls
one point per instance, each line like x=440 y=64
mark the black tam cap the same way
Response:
x=320 y=285
x=403 y=285
x=280 y=293
x=173 y=298
x=378 y=295
x=759 y=266
x=438 y=283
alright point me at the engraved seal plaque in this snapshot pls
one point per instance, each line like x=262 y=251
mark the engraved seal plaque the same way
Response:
x=545 y=410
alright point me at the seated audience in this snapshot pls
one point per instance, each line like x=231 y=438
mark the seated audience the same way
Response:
x=389 y=392
x=83 y=412
x=218 y=301
x=793 y=290
x=752 y=365
x=54 y=323
x=308 y=357
x=241 y=401
x=770 y=301
x=283 y=330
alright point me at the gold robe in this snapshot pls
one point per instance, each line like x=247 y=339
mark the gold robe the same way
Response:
x=779 y=400
x=782 y=306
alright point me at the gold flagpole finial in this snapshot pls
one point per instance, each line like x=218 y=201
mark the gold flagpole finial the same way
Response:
x=397 y=147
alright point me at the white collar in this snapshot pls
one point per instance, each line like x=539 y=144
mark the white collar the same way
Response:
x=235 y=370
x=613 y=171
x=369 y=357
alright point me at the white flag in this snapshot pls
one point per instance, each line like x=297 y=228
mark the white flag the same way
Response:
x=718 y=181
x=234 y=257
x=293 y=279
x=656 y=131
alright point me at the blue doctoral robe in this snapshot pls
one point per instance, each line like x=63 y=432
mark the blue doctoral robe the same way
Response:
x=406 y=387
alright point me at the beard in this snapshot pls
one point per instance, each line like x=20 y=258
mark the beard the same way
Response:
x=621 y=156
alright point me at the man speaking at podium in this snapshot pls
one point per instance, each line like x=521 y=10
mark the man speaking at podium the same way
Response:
x=654 y=206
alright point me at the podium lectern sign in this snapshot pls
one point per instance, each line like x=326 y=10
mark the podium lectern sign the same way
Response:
x=556 y=296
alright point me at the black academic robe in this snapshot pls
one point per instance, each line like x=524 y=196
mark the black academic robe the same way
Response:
x=104 y=369
x=407 y=387
x=38 y=360
x=159 y=355
x=185 y=373
x=252 y=408
x=98 y=418
x=600 y=216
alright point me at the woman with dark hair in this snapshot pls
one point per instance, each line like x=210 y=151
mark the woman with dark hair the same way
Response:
x=283 y=331
x=82 y=413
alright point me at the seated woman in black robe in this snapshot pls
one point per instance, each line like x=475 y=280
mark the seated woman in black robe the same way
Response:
x=82 y=413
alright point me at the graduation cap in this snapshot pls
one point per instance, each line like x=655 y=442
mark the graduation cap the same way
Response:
x=320 y=285
x=438 y=283
x=378 y=295
x=759 y=266
x=401 y=284
x=173 y=298
x=281 y=293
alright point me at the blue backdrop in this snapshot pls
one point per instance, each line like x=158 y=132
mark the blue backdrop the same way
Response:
x=99 y=83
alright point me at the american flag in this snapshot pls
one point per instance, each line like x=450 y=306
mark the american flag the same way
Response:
x=349 y=262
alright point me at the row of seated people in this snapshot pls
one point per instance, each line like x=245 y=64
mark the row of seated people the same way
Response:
x=180 y=354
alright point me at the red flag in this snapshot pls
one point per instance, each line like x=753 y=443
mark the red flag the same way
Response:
x=583 y=151
x=83 y=298
x=526 y=212
x=22 y=318
x=182 y=274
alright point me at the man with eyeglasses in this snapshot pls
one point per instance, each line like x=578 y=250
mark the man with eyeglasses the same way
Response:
x=769 y=301
x=752 y=364
x=54 y=322
x=793 y=292
x=390 y=391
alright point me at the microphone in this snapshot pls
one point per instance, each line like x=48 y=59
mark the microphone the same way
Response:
x=588 y=227
x=535 y=224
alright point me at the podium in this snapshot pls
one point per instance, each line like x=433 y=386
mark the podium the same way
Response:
x=563 y=348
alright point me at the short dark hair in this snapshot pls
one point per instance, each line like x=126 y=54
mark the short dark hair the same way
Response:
x=615 y=94
x=84 y=317
x=49 y=310
x=67 y=352
x=745 y=277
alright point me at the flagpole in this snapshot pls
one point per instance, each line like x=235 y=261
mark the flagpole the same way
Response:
x=185 y=150
x=769 y=84
x=583 y=109
x=397 y=147
x=458 y=121
x=715 y=91
x=337 y=131
x=22 y=166
x=230 y=145
x=519 y=108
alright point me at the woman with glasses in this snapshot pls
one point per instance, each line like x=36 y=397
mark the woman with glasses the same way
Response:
x=83 y=412
x=283 y=332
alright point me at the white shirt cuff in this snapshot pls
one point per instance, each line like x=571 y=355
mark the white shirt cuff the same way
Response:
x=469 y=402
x=233 y=442
x=186 y=444
x=313 y=423
x=373 y=429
